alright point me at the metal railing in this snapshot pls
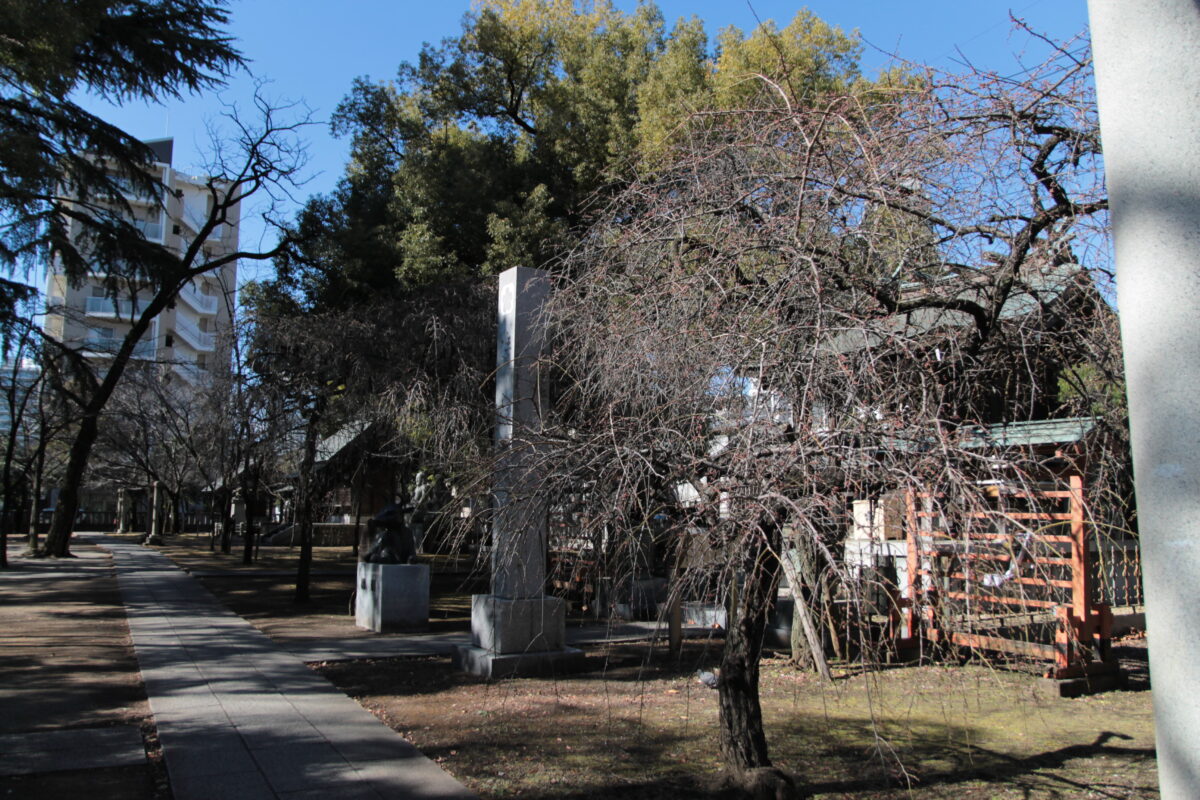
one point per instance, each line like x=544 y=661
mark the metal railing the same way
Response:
x=151 y=229
x=202 y=303
x=107 y=307
x=198 y=339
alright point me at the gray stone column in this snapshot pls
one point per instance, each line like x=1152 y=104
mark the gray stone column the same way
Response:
x=154 y=515
x=518 y=629
x=1148 y=84
x=123 y=525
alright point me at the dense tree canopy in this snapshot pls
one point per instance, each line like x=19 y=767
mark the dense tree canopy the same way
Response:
x=490 y=148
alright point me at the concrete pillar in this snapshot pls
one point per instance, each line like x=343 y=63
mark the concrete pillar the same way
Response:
x=517 y=629
x=123 y=511
x=1148 y=87
x=154 y=516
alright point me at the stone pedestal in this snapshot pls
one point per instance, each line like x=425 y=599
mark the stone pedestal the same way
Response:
x=392 y=597
x=518 y=637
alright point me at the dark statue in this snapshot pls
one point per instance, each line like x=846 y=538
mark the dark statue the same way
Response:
x=393 y=539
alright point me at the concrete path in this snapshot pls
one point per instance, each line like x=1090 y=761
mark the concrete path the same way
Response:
x=239 y=718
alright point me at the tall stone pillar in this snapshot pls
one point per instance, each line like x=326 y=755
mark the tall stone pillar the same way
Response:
x=154 y=515
x=123 y=511
x=518 y=629
x=1148 y=87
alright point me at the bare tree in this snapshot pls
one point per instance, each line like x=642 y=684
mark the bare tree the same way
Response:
x=20 y=395
x=410 y=360
x=812 y=304
x=153 y=431
x=263 y=158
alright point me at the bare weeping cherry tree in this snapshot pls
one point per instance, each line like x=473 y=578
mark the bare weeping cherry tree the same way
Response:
x=811 y=304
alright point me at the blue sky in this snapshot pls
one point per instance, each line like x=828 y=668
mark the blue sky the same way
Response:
x=311 y=50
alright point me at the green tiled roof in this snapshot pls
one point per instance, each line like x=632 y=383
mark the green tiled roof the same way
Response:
x=1030 y=434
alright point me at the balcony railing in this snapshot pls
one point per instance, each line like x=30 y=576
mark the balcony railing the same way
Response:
x=190 y=371
x=151 y=229
x=202 y=303
x=198 y=339
x=109 y=345
x=107 y=307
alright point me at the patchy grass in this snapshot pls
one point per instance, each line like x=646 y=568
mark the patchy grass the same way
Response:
x=638 y=726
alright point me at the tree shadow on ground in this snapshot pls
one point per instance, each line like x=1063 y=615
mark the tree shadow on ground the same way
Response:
x=1024 y=773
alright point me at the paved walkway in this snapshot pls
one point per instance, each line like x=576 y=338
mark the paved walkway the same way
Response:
x=239 y=718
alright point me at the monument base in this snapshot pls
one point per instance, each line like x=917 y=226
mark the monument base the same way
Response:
x=518 y=637
x=507 y=626
x=392 y=597
x=534 y=664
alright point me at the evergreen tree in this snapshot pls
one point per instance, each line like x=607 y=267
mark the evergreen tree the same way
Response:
x=62 y=168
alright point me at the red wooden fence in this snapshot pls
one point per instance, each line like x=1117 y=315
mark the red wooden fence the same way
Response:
x=1012 y=578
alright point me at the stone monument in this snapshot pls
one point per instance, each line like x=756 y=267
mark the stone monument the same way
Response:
x=518 y=629
x=155 y=516
x=392 y=592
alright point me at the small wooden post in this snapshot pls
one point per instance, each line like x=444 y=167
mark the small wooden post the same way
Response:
x=910 y=614
x=1081 y=599
x=675 y=624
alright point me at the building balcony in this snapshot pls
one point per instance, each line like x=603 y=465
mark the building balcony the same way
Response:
x=97 y=346
x=193 y=336
x=107 y=308
x=151 y=229
x=135 y=194
x=190 y=371
x=200 y=303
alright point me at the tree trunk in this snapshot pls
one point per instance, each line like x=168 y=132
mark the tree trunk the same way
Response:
x=742 y=740
x=58 y=538
x=304 y=505
x=249 y=491
x=223 y=510
x=231 y=520
x=173 y=515
x=807 y=649
x=39 y=463
x=356 y=488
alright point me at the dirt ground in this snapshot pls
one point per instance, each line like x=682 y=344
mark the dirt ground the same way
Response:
x=267 y=600
x=638 y=724
x=635 y=729
x=66 y=662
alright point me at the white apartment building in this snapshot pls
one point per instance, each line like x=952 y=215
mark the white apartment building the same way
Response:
x=189 y=338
